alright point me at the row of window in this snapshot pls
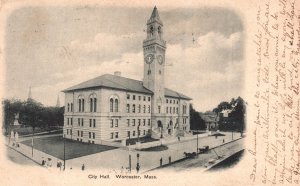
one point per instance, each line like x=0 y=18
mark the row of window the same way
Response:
x=169 y=109
x=115 y=135
x=139 y=122
x=80 y=122
x=92 y=135
x=172 y=101
x=139 y=98
x=139 y=108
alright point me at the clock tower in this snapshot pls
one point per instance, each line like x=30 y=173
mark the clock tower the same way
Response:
x=154 y=62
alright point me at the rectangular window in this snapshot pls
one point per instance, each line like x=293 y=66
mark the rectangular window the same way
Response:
x=89 y=134
x=116 y=123
x=68 y=107
x=111 y=123
x=111 y=135
x=77 y=132
x=174 y=110
x=94 y=122
x=90 y=122
x=133 y=108
x=81 y=121
x=71 y=107
x=139 y=122
x=144 y=122
x=144 y=132
x=71 y=132
x=78 y=121
x=144 y=98
x=81 y=133
x=139 y=98
x=177 y=110
x=149 y=109
x=158 y=109
x=149 y=122
x=128 y=122
x=167 y=110
x=128 y=134
x=133 y=133
x=116 y=134
x=94 y=135
x=133 y=97
x=167 y=100
x=139 y=109
x=128 y=96
x=144 y=108
x=67 y=131
x=68 y=121
x=127 y=108
x=71 y=121
x=133 y=122
x=148 y=98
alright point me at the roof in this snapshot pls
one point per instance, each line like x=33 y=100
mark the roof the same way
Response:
x=121 y=83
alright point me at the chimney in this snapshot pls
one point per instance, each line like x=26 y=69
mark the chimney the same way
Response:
x=117 y=73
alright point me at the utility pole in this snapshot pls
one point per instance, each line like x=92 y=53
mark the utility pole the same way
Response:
x=64 y=152
x=197 y=142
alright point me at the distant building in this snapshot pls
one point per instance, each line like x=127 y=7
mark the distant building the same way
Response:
x=113 y=108
x=211 y=120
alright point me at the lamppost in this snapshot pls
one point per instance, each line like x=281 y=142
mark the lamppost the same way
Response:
x=64 y=151
x=197 y=142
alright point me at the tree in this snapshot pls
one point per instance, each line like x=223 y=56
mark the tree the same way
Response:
x=196 y=122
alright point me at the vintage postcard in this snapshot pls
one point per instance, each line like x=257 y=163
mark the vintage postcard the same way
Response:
x=162 y=92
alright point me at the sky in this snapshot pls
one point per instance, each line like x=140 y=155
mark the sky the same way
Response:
x=52 y=48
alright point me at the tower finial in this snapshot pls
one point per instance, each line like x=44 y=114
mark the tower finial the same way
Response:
x=154 y=13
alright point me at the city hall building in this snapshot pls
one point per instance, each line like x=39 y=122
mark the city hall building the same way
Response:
x=114 y=108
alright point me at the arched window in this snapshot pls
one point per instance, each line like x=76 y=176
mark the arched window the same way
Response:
x=116 y=105
x=159 y=31
x=80 y=103
x=151 y=31
x=111 y=105
x=91 y=104
x=95 y=104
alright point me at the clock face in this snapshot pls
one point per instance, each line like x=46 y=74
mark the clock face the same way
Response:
x=149 y=58
x=160 y=59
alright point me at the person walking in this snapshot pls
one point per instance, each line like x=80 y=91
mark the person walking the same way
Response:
x=82 y=167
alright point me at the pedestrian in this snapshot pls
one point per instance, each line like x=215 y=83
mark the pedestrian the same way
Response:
x=160 y=161
x=122 y=170
x=137 y=168
x=43 y=162
x=169 y=159
x=82 y=167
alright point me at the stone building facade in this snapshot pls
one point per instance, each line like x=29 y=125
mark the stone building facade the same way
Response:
x=113 y=108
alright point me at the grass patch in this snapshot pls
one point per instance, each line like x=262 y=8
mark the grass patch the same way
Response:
x=54 y=146
x=157 y=148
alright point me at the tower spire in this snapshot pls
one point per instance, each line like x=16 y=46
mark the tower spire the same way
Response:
x=29 y=95
x=154 y=13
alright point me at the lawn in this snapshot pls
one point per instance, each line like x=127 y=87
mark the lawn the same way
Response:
x=133 y=141
x=73 y=149
x=157 y=148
